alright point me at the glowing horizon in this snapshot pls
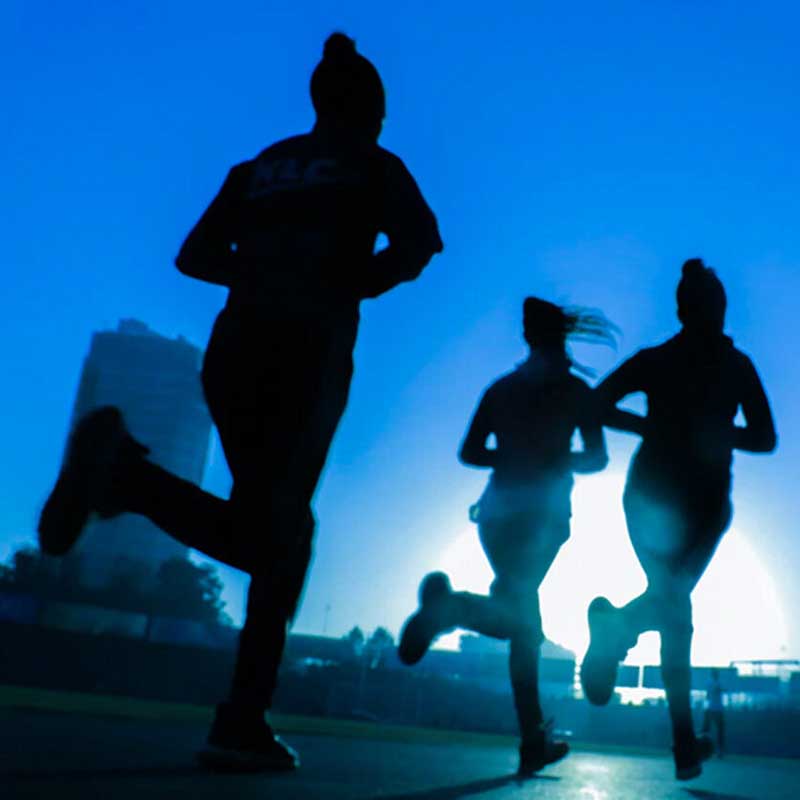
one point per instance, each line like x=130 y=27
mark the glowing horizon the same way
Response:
x=737 y=612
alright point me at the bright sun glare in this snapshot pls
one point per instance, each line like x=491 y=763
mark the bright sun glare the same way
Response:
x=737 y=613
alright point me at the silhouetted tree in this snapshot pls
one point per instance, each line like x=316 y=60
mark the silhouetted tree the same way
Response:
x=379 y=642
x=29 y=571
x=191 y=591
x=355 y=638
x=129 y=588
x=180 y=588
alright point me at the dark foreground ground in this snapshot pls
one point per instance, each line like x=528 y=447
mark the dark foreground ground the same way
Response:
x=68 y=755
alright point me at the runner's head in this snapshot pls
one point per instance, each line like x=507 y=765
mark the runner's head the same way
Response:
x=346 y=89
x=547 y=325
x=701 y=298
x=544 y=324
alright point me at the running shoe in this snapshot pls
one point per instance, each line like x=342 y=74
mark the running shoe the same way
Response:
x=536 y=754
x=689 y=756
x=431 y=619
x=607 y=647
x=242 y=741
x=85 y=482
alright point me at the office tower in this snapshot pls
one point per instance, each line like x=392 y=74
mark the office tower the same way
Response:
x=155 y=381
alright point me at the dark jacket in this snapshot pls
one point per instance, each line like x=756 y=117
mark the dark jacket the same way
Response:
x=293 y=230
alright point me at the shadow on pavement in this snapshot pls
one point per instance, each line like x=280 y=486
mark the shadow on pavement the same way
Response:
x=704 y=794
x=465 y=789
x=93 y=773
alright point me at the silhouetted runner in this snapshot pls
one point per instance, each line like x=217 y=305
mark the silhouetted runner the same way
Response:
x=677 y=496
x=292 y=234
x=523 y=516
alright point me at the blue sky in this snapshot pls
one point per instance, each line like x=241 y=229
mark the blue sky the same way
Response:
x=578 y=151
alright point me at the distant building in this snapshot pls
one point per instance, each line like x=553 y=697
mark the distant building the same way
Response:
x=155 y=381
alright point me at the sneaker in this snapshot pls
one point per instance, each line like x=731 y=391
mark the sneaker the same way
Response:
x=241 y=742
x=422 y=627
x=543 y=750
x=84 y=482
x=606 y=649
x=689 y=756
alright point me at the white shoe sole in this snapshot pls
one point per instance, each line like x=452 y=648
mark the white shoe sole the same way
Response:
x=223 y=759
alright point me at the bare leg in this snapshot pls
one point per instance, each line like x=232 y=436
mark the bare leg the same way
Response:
x=521 y=551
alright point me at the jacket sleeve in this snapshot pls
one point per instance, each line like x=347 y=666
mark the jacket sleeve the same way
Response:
x=209 y=252
x=594 y=456
x=758 y=435
x=411 y=228
x=629 y=377
x=473 y=450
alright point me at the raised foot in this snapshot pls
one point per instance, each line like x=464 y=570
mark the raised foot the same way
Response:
x=84 y=479
x=606 y=649
x=431 y=619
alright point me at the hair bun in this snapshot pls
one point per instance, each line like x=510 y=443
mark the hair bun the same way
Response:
x=693 y=268
x=339 y=47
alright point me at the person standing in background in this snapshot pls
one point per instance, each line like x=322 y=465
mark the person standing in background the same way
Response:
x=714 y=712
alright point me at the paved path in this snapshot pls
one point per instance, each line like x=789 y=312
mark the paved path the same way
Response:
x=66 y=756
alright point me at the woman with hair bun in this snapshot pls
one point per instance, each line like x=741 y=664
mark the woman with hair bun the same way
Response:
x=523 y=516
x=677 y=496
x=292 y=235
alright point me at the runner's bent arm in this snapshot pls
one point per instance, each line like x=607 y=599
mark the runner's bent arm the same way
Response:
x=626 y=379
x=208 y=254
x=411 y=228
x=594 y=456
x=758 y=435
x=474 y=451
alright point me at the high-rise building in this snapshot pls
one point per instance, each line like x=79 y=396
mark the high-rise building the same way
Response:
x=155 y=381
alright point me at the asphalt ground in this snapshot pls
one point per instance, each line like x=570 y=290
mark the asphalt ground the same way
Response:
x=127 y=749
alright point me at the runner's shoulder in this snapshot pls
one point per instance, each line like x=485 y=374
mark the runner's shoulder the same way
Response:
x=656 y=357
x=740 y=358
x=501 y=386
x=743 y=368
x=665 y=349
x=390 y=163
x=292 y=146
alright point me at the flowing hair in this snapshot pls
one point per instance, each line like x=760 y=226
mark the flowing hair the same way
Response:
x=590 y=325
x=551 y=325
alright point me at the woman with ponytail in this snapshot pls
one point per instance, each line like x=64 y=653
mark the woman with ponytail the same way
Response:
x=292 y=235
x=677 y=496
x=523 y=516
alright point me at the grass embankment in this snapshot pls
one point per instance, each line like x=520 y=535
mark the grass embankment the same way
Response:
x=28 y=698
x=20 y=697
